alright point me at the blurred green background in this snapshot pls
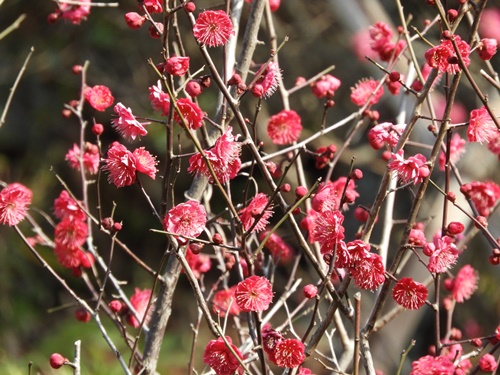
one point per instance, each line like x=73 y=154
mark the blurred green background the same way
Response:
x=36 y=314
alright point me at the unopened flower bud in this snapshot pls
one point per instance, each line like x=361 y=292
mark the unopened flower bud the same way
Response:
x=116 y=306
x=361 y=214
x=193 y=89
x=386 y=155
x=310 y=291
x=494 y=259
x=452 y=14
x=448 y=284
x=196 y=247
x=155 y=31
x=234 y=80
x=107 y=223
x=455 y=228
x=446 y=35
x=117 y=226
x=451 y=196
x=356 y=174
x=394 y=76
x=57 y=360
x=455 y=334
x=76 y=69
x=190 y=7
x=97 y=129
x=217 y=239
x=300 y=191
x=300 y=81
x=476 y=342
x=66 y=113
x=52 y=18
x=285 y=188
x=82 y=315
x=481 y=220
x=296 y=211
x=134 y=20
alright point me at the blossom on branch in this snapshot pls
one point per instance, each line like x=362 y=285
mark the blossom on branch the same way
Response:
x=139 y=301
x=220 y=358
x=444 y=58
x=126 y=123
x=368 y=272
x=464 y=284
x=186 y=219
x=481 y=126
x=160 y=100
x=412 y=170
x=429 y=365
x=191 y=113
x=284 y=127
x=484 y=195
x=328 y=229
x=66 y=206
x=289 y=353
x=254 y=294
x=364 y=92
x=90 y=158
x=14 y=201
x=325 y=86
x=267 y=81
x=177 y=65
x=213 y=28
x=443 y=254
x=99 y=97
x=278 y=248
x=409 y=293
x=121 y=165
x=254 y=210
x=224 y=302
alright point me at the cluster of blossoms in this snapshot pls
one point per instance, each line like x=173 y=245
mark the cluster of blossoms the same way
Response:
x=71 y=233
x=385 y=134
x=412 y=170
x=444 y=57
x=286 y=353
x=90 y=158
x=381 y=36
x=484 y=195
x=75 y=13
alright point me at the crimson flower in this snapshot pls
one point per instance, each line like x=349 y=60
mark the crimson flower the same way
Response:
x=73 y=13
x=285 y=127
x=66 y=206
x=329 y=194
x=443 y=254
x=278 y=248
x=325 y=86
x=199 y=263
x=213 y=28
x=177 y=65
x=99 y=97
x=121 y=165
x=254 y=294
x=481 y=126
x=429 y=365
x=139 y=301
x=385 y=133
x=224 y=302
x=364 y=91
x=380 y=34
x=14 y=201
x=289 y=353
x=328 y=229
x=409 y=293
x=220 y=358
x=159 y=99
x=255 y=209
x=488 y=363
x=90 y=158
x=487 y=48
x=267 y=81
x=368 y=272
x=414 y=169
x=153 y=6
x=73 y=257
x=126 y=123
x=224 y=158
x=145 y=162
x=186 y=219
x=440 y=56
x=70 y=233
x=192 y=114
x=483 y=194
x=465 y=283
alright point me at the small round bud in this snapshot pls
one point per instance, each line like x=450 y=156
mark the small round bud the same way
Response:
x=196 y=247
x=476 y=342
x=496 y=251
x=310 y=291
x=234 y=80
x=328 y=257
x=241 y=88
x=451 y=196
x=329 y=103
x=356 y=174
x=193 y=89
x=452 y=14
x=448 y=284
x=455 y=228
x=374 y=115
x=57 y=360
x=494 y=260
x=300 y=191
x=285 y=188
x=87 y=260
x=455 y=334
x=74 y=103
x=155 y=31
x=394 y=76
x=386 y=155
x=217 y=239
x=190 y=7
x=447 y=304
x=107 y=223
x=76 y=69
x=296 y=211
x=400 y=30
x=66 y=113
x=134 y=20
x=97 y=129
x=82 y=315
x=117 y=226
x=300 y=81
x=361 y=214
x=52 y=18
x=116 y=306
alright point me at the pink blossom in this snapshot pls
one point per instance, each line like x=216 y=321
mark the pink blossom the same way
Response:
x=308 y=223
x=14 y=201
x=391 y=50
x=177 y=65
x=360 y=44
x=270 y=339
x=488 y=363
x=153 y=6
x=134 y=20
x=364 y=92
x=70 y=233
x=90 y=158
x=159 y=99
x=73 y=257
x=409 y=293
x=348 y=254
x=73 y=13
x=456 y=151
x=328 y=230
x=465 y=283
x=443 y=254
x=439 y=56
x=484 y=195
x=487 y=48
x=254 y=210
x=99 y=97
x=481 y=126
x=192 y=114
x=385 y=133
x=224 y=158
x=368 y=272
x=329 y=194
x=126 y=124
x=267 y=80
x=66 y=206
x=380 y=34
x=220 y=358
x=213 y=28
x=186 y=219
x=325 y=86
x=430 y=365
x=412 y=170
x=121 y=165
x=224 y=302
x=289 y=353
x=145 y=162
x=139 y=301
x=285 y=127
x=254 y=294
